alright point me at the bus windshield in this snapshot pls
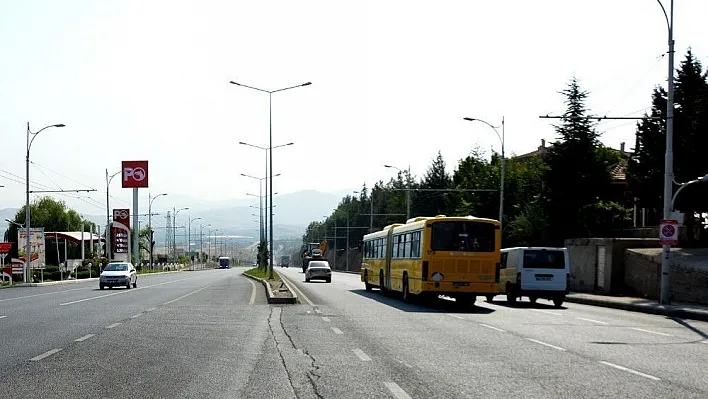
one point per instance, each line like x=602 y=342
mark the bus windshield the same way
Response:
x=462 y=236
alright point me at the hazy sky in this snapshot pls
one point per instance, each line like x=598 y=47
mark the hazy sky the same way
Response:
x=391 y=82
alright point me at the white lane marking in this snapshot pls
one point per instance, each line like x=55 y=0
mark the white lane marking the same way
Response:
x=456 y=316
x=639 y=373
x=253 y=292
x=124 y=291
x=150 y=310
x=136 y=316
x=326 y=319
x=299 y=292
x=186 y=295
x=317 y=310
x=361 y=355
x=397 y=391
x=547 y=312
x=114 y=325
x=2 y=317
x=84 y=338
x=592 y=321
x=546 y=344
x=651 y=332
x=705 y=342
x=43 y=294
x=45 y=354
x=492 y=327
x=337 y=331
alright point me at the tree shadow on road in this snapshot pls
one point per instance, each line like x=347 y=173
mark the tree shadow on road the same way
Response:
x=422 y=306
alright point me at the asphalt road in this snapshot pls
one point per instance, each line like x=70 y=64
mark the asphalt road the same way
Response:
x=378 y=346
x=211 y=334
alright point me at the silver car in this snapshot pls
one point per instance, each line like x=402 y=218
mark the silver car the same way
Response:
x=117 y=274
x=318 y=270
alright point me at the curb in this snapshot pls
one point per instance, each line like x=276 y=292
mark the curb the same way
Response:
x=272 y=299
x=656 y=310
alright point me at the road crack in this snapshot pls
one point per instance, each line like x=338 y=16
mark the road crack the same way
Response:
x=291 y=358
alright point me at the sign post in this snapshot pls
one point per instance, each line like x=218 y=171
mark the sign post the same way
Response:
x=121 y=235
x=135 y=176
x=5 y=248
x=668 y=232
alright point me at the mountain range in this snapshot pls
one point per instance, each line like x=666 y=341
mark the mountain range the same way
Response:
x=234 y=218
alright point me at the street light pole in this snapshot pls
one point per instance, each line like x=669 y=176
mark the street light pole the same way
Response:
x=189 y=238
x=150 y=199
x=201 y=240
x=503 y=162
x=28 y=248
x=109 y=178
x=665 y=295
x=270 y=154
x=174 y=229
x=261 y=196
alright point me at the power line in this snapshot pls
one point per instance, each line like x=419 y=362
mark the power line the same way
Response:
x=598 y=118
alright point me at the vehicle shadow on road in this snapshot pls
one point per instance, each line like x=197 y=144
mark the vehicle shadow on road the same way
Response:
x=527 y=305
x=422 y=306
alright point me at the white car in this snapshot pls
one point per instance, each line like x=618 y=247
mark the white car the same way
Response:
x=118 y=274
x=318 y=270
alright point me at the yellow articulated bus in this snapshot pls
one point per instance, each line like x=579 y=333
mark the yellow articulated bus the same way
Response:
x=457 y=257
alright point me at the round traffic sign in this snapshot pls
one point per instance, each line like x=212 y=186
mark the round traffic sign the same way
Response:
x=668 y=230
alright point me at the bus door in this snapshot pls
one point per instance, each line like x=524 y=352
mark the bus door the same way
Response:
x=387 y=267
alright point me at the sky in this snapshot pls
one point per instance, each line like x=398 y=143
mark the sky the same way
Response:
x=391 y=82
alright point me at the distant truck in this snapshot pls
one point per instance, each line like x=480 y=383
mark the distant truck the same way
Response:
x=285 y=261
x=313 y=251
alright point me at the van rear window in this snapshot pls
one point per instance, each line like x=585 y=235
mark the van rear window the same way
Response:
x=544 y=259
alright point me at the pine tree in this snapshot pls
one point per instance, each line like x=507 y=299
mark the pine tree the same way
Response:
x=577 y=175
x=431 y=203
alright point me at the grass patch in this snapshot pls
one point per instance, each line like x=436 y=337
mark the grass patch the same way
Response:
x=257 y=272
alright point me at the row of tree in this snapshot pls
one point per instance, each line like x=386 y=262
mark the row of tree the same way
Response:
x=576 y=187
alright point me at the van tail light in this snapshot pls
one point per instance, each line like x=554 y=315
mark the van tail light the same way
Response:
x=425 y=270
x=497 y=271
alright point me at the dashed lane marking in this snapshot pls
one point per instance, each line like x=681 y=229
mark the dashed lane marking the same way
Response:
x=635 y=372
x=397 y=391
x=114 y=325
x=337 y=331
x=492 y=327
x=84 y=338
x=45 y=354
x=546 y=344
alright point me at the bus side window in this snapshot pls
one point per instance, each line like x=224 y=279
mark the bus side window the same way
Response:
x=504 y=257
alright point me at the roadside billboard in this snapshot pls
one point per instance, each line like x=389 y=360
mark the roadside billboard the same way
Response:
x=120 y=237
x=135 y=174
x=37 y=259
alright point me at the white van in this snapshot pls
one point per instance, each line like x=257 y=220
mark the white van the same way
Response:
x=536 y=272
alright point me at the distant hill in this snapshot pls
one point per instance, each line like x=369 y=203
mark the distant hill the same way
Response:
x=293 y=212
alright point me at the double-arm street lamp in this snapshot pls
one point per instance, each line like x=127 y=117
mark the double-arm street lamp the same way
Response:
x=503 y=162
x=28 y=248
x=201 y=240
x=263 y=222
x=270 y=154
x=189 y=237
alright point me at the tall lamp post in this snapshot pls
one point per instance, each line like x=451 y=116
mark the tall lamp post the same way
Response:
x=28 y=248
x=665 y=295
x=189 y=237
x=174 y=228
x=408 y=189
x=265 y=221
x=109 y=178
x=503 y=162
x=150 y=199
x=270 y=153
x=201 y=240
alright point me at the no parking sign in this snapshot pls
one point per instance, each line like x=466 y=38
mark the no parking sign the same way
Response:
x=668 y=232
